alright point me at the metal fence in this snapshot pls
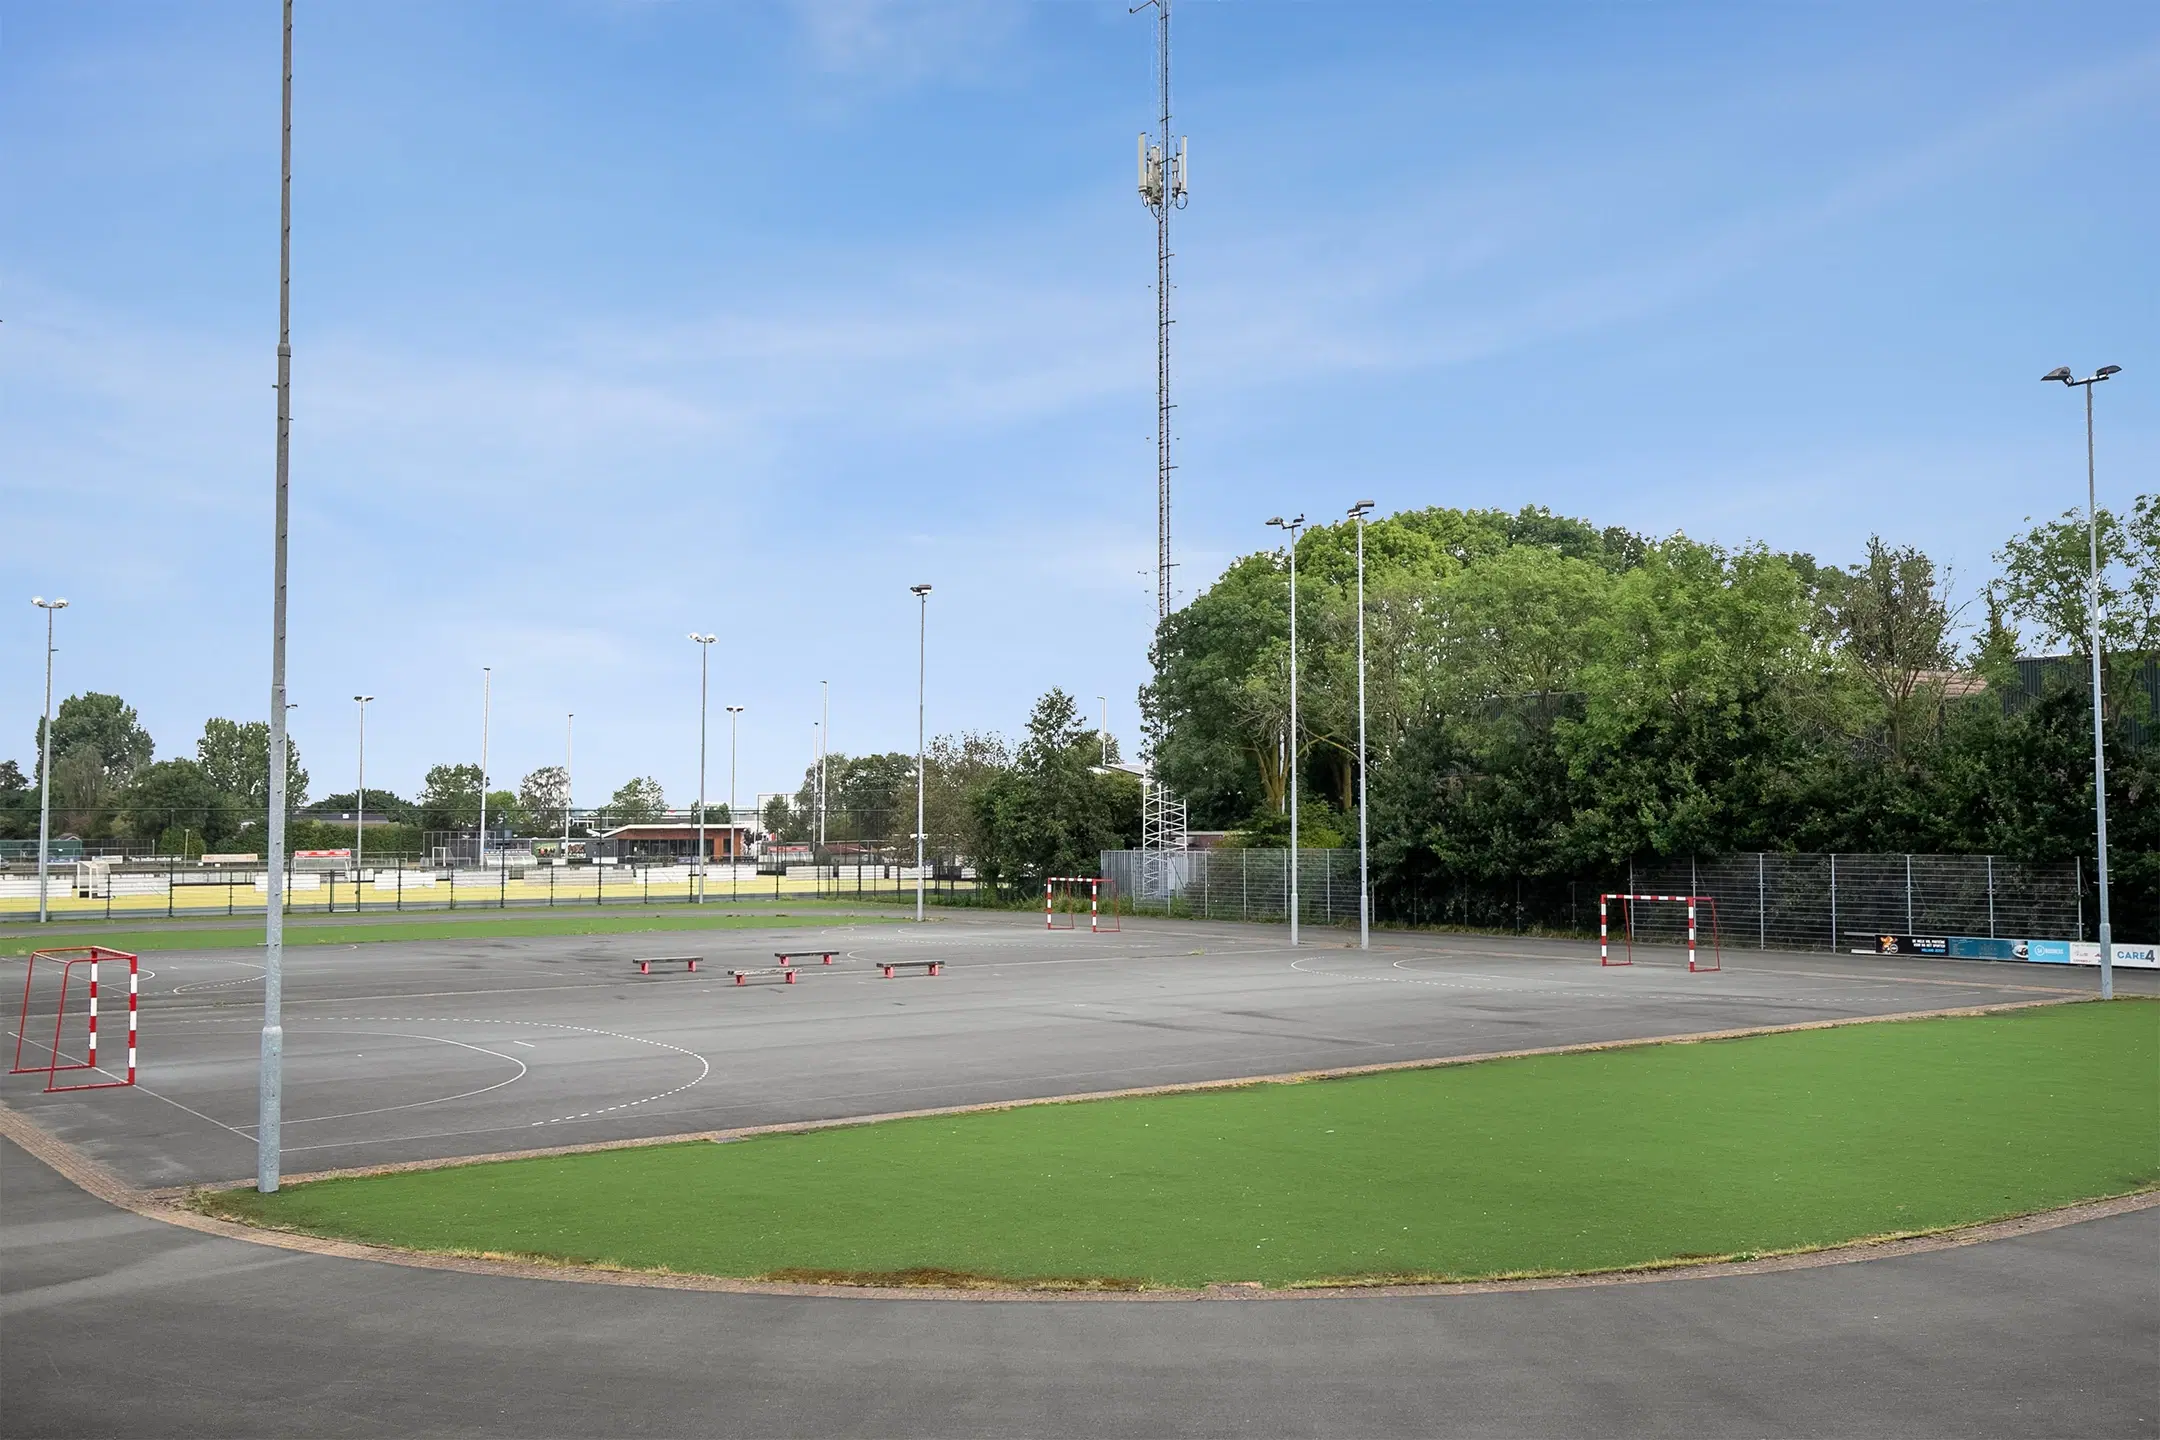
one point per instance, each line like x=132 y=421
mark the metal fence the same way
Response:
x=142 y=889
x=1762 y=901
x=1237 y=884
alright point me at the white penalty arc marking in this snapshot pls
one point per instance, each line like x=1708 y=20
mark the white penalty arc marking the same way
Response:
x=202 y=985
x=522 y=1069
x=704 y=1065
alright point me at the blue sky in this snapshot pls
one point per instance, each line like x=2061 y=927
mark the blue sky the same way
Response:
x=614 y=320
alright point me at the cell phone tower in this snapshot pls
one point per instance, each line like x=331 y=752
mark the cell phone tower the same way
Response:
x=1162 y=186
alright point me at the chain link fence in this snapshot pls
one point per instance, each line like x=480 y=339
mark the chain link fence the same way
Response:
x=1762 y=901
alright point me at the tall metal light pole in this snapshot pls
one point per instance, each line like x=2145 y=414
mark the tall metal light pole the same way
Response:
x=487 y=707
x=1364 y=861
x=734 y=853
x=2092 y=540
x=704 y=644
x=922 y=651
x=269 y=1108
x=1292 y=528
x=824 y=743
x=360 y=804
x=44 y=822
x=1104 y=733
x=568 y=751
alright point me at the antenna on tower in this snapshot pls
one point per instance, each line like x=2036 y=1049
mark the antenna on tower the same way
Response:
x=1162 y=187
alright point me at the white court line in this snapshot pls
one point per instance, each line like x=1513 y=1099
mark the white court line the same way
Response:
x=417 y=1104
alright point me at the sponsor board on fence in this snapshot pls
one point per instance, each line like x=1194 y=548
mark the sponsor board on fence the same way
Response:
x=1977 y=947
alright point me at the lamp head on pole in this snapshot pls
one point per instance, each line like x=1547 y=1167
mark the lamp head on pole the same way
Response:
x=918 y=590
x=735 y=709
x=703 y=639
x=43 y=604
x=363 y=699
x=2062 y=373
x=1357 y=511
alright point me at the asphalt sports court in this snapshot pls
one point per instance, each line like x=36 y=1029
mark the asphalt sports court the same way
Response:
x=409 y=1051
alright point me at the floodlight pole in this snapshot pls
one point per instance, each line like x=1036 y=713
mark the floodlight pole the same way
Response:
x=568 y=750
x=1104 y=701
x=44 y=824
x=1364 y=870
x=922 y=651
x=487 y=704
x=704 y=644
x=734 y=854
x=359 y=804
x=2092 y=541
x=1292 y=528
x=824 y=743
x=269 y=1111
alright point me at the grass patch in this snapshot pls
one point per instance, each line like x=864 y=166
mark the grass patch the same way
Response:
x=431 y=926
x=1549 y=1164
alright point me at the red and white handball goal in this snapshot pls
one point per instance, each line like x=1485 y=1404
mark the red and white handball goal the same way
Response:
x=57 y=1061
x=1061 y=900
x=1628 y=903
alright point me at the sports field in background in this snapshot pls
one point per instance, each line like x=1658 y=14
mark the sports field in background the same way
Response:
x=435 y=925
x=1562 y=1163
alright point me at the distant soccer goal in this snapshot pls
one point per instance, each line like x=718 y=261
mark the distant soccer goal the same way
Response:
x=1695 y=904
x=1065 y=896
x=72 y=999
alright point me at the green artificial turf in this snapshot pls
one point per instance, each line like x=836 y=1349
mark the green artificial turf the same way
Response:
x=1556 y=1163
x=436 y=926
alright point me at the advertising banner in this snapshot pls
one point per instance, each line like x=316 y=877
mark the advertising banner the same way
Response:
x=1976 y=947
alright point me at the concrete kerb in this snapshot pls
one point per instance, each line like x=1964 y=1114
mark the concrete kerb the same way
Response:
x=170 y=1205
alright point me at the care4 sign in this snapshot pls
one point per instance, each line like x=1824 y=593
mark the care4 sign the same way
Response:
x=2080 y=952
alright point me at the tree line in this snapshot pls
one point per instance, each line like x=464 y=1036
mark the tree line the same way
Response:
x=108 y=786
x=1549 y=698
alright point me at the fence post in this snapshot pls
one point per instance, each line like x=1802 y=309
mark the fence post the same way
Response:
x=1833 y=902
x=1991 y=896
x=1762 y=906
x=1908 y=892
x=2078 y=876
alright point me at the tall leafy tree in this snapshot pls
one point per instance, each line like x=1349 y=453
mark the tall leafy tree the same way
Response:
x=103 y=726
x=235 y=756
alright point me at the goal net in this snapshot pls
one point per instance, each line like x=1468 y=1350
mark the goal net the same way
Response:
x=1699 y=908
x=56 y=1031
x=1067 y=897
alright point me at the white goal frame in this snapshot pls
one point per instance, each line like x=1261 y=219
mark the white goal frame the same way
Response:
x=1627 y=920
x=1099 y=887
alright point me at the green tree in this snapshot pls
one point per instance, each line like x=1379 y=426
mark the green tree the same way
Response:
x=177 y=797
x=235 y=755
x=1893 y=624
x=543 y=797
x=104 y=726
x=637 y=801
x=450 y=797
x=18 y=803
x=1054 y=812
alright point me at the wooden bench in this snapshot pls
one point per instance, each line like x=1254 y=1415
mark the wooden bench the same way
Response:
x=688 y=962
x=928 y=967
x=789 y=957
x=785 y=972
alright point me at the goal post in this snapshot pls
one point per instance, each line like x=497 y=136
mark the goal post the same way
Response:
x=57 y=1060
x=1063 y=896
x=1696 y=905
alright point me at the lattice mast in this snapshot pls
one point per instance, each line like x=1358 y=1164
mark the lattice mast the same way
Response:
x=1162 y=186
